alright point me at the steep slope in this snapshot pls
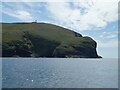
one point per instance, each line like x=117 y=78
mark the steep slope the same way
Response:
x=45 y=40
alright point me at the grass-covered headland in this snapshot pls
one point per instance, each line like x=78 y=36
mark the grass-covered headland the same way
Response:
x=45 y=40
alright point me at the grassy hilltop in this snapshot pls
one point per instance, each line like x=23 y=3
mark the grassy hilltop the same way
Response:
x=45 y=40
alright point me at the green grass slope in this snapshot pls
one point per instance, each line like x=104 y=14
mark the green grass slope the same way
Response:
x=45 y=40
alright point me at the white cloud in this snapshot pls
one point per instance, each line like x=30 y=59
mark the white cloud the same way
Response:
x=78 y=15
x=23 y=15
x=85 y=14
x=36 y=0
x=52 y=0
x=20 y=14
x=109 y=35
x=108 y=44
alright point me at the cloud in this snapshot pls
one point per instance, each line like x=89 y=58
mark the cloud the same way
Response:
x=109 y=35
x=84 y=14
x=52 y=0
x=23 y=15
x=20 y=14
x=36 y=0
x=17 y=10
x=109 y=44
x=78 y=15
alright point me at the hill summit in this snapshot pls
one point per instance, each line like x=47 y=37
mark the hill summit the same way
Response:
x=45 y=40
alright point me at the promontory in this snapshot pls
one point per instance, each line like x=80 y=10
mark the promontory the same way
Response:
x=45 y=40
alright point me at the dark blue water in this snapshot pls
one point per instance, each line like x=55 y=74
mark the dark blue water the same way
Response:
x=60 y=73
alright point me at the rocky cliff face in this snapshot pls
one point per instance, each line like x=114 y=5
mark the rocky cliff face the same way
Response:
x=77 y=51
x=45 y=40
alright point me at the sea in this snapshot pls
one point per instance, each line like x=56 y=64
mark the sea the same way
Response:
x=59 y=73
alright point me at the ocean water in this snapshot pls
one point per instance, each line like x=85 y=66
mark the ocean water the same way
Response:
x=59 y=73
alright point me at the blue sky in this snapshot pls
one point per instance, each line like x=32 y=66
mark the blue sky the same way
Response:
x=97 y=19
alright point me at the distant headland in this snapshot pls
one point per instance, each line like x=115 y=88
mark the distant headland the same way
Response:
x=45 y=40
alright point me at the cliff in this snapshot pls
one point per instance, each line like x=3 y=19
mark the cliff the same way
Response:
x=45 y=40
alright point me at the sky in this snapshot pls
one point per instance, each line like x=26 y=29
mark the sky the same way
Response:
x=95 y=18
